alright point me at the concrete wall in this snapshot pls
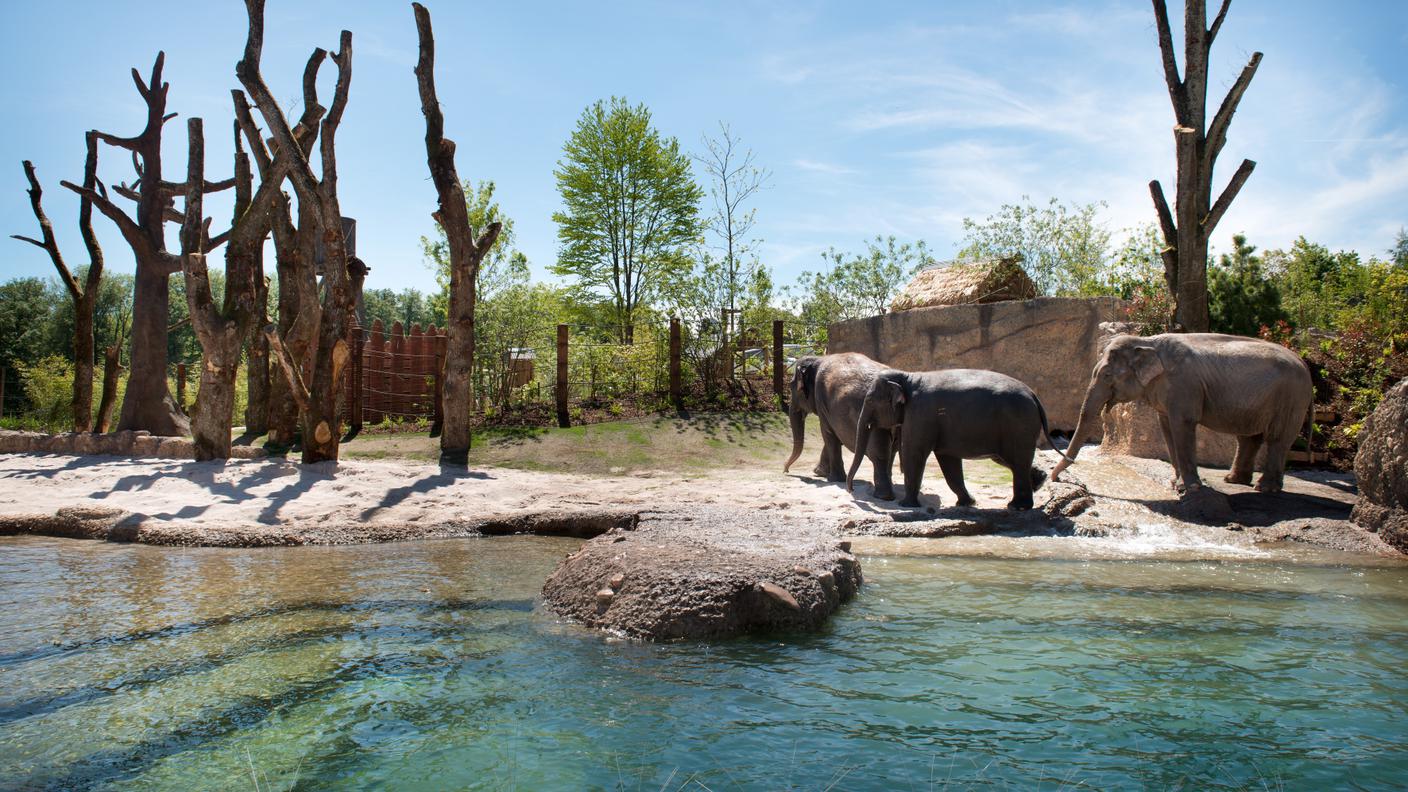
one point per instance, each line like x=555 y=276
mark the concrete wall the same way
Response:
x=1050 y=343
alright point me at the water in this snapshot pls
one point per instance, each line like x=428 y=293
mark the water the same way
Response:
x=428 y=666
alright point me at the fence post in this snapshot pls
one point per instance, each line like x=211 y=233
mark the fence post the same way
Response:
x=440 y=337
x=376 y=377
x=563 y=420
x=779 y=364
x=2 y=390
x=398 y=361
x=358 y=346
x=676 y=396
x=181 y=386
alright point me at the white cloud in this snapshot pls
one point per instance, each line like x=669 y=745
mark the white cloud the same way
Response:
x=817 y=166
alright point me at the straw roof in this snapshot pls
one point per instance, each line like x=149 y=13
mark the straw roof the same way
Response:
x=954 y=283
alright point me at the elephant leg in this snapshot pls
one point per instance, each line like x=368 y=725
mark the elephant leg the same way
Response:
x=1242 y=464
x=1185 y=443
x=830 y=467
x=1177 y=481
x=1273 y=475
x=952 y=468
x=881 y=460
x=912 y=458
x=1019 y=461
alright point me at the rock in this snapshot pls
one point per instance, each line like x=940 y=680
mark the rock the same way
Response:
x=1050 y=343
x=73 y=522
x=1066 y=499
x=706 y=572
x=967 y=283
x=1204 y=505
x=176 y=448
x=1381 y=466
x=1133 y=429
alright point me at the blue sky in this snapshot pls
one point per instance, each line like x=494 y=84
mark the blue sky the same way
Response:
x=876 y=118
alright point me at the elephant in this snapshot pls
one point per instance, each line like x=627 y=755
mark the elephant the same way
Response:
x=834 y=387
x=1257 y=390
x=956 y=414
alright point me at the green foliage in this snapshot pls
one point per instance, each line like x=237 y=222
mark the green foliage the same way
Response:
x=494 y=269
x=1241 y=299
x=27 y=309
x=48 y=387
x=1064 y=249
x=408 y=306
x=859 y=285
x=631 y=209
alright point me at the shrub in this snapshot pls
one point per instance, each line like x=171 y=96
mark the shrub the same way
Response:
x=48 y=386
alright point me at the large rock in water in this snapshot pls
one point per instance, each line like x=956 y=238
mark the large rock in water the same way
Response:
x=1382 y=469
x=967 y=283
x=704 y=573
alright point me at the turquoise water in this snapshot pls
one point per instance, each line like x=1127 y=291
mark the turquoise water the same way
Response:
x=428 y=666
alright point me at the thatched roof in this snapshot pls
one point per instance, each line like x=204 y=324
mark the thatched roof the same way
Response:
x=965 y=283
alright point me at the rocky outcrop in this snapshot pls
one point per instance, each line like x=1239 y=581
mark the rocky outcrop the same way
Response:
x=706 y=573
x=1050 y=343
x=126 y=443
x=967 y=283
x=1381 y=466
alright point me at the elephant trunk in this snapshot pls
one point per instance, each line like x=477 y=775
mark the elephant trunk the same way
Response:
x=798 y=418
x=867 y=415
x=1096 y=397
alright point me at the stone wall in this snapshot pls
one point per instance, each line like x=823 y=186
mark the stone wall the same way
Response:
x=1050 y=343
x=128 y=444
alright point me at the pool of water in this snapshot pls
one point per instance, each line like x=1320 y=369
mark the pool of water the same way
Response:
x=429 y=666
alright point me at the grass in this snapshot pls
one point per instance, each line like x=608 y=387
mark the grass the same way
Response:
x=702 y=441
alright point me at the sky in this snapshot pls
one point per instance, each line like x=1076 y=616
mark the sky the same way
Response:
x=878 y=118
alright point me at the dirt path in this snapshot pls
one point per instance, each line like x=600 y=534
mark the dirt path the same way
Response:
x=279 y=502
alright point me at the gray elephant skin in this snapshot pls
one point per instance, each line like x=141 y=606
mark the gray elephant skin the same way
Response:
x=833 y=387
x=956 y=414
x=1256 y=390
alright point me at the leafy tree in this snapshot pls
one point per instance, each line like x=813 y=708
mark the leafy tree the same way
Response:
x=1242 y=299
x=112 y=315
x=483 y=210
x=26 y=314
x=860 y=284
x=630 y=209
x=1399 y=252
x=1064 y=248
x=408 y=306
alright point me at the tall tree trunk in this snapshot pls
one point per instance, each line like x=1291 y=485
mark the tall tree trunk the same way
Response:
x=466 y=253
x=147 y=403
x=1189 y=226
x=257 y=385
x=112 y=367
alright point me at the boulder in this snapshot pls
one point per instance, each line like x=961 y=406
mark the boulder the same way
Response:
x=967 y=283
x=705 y=573
x=1381 y=465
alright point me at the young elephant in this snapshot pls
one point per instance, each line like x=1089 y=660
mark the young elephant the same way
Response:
x=834 y=387
x=957 y=414
x=1259 y=391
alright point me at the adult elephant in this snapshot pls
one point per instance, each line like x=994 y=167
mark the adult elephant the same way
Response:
x=833 y=387
x=956 y=414
x=1256 y=390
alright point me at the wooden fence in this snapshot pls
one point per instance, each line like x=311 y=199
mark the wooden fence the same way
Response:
x=399 y=373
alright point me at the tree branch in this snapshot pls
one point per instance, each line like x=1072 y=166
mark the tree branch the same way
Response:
x=1169 y=252
x=290 y=368
x=129 y=228
x=85 y=218
x=1176 y=90
x=1217 y=130
x=1244 y=171
x=46 y=230
x=1217 y=23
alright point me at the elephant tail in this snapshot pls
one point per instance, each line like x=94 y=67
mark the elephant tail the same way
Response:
x=1046 y=432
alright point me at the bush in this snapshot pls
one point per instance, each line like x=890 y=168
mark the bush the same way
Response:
x=48 y=387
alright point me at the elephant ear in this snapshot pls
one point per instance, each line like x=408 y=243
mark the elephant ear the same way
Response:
x=1147 y=365
x=806 y=374
x=897 y=399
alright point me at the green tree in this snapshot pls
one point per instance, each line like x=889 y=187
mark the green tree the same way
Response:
x=733 y=181
x=1064 y=248
x=408 y=306
x=630 y=209
x=860 y=284
x=27 y=311
x=1241 y=298
x=483 y=210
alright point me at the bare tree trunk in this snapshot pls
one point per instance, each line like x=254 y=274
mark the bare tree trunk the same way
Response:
x=147 y=403
x=84 y=297
x=256 y=411
x=112 y=368
x=1188 y=228
x=318 y=198
x=466 y=253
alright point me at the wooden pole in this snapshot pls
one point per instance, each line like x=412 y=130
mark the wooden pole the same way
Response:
x=676 y=396
x=779 y=365
x=2 y=390
x=181 y=386
x=441 y=339
x=358 y=349
x=563 y=420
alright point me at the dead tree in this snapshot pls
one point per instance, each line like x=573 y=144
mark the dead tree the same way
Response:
x=147 y=403
x=112 y=369
x=85 y=297
x=1188 y=228
x=467 y=250
x=318 y=203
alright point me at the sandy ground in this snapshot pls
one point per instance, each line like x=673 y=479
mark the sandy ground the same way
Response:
x=184 y=502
